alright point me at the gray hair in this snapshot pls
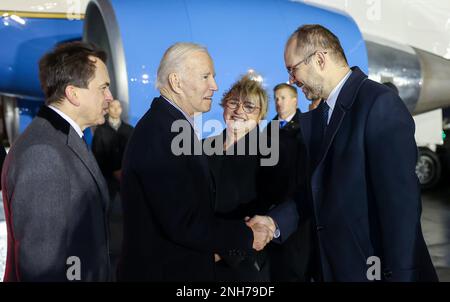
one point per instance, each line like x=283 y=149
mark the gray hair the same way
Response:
x=173 y=59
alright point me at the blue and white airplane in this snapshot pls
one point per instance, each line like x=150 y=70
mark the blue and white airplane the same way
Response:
x=242 y=36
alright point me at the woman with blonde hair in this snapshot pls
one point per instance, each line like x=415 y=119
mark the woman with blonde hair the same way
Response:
x=236 y=172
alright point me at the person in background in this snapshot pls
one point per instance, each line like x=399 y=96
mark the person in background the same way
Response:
x=289 y=261
x=285 y=97
x=108 y=146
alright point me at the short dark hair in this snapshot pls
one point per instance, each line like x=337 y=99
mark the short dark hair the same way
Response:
x=291 y=88
x=312 y=37
x=67 y=64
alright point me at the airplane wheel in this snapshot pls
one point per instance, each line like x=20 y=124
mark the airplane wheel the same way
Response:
x=428 y=169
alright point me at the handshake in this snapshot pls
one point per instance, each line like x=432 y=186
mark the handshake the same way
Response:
x=263 y=228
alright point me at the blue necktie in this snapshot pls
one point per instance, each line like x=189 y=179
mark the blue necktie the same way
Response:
x=282 y=123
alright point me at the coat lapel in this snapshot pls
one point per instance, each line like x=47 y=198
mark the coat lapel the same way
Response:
x=344 y=102
x=331 y=130
x=76 y=144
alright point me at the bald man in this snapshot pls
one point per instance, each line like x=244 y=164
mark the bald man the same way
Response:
x=109 y=142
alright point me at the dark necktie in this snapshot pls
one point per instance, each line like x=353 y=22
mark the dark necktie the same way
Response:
x=324 y=113
x=320 y=121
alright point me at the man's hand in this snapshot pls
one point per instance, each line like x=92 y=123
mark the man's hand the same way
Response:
x=265 y=220
x=263 y=229
x=261 y=236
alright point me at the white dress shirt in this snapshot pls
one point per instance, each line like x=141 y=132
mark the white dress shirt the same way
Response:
x=189 y=118
x=332 y=98
x=289 y=118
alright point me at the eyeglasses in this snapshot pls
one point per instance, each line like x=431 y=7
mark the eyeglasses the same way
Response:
x=248 y=107
x=291 y=70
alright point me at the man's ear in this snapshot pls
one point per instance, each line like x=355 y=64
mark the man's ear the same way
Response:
x=320 y=59
x=72 y=94
x=175 y=83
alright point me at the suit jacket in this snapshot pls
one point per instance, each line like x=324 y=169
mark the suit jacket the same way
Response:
x=170 y=231
x=364 y=190
x=290 y=260
x=291 y=167
x=55 y=200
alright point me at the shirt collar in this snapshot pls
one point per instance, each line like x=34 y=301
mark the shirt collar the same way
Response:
x=288 y=119
x=187 y=116
x=332 y=98
x=69 y=120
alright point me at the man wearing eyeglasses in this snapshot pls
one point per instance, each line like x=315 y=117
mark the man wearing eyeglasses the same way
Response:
x=364 y=195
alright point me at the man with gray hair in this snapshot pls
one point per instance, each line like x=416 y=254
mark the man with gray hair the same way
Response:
x=170 y=232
